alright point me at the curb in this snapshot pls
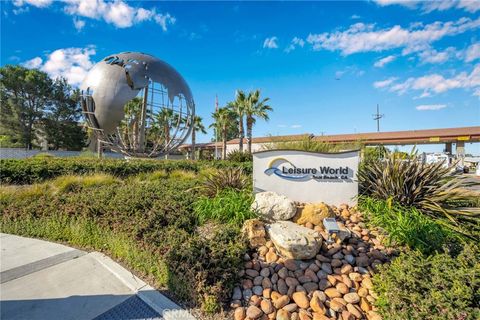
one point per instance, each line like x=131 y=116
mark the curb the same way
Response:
x=168 y=309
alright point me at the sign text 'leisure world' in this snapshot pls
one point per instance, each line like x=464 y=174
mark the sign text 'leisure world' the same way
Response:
x=308 y=176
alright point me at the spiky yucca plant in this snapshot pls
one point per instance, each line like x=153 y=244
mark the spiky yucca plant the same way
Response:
x=430 y=188
x=232 y=178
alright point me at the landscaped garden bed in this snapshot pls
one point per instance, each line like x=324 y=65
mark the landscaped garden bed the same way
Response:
x=178 y=225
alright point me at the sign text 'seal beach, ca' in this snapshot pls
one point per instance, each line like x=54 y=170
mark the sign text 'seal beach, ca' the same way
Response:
x=308 y=176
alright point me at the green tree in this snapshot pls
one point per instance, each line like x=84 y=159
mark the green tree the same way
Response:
x=25 y=94
x=62 y=116
x=255 y=107
x=239 y=106
x=223 y=118
x=197 y=127
x=130 y=125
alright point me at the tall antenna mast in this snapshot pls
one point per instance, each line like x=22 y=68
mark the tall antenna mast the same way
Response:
x=216 y=129
x=377 y=117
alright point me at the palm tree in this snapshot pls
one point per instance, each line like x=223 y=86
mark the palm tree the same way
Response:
x=239 y=106
x=197 y=127
x=223 y=118
x=164 y=121
x=131 y=123
x=255 y=108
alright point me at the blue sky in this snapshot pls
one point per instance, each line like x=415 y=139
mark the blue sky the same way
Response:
x=324 y=65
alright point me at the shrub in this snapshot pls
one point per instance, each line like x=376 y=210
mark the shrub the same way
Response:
x=212 y=263
x=428 y=187
x=148 y=224
x=438 y=287
x=32 y=170
x=405 y=226
x=308 y=144
x=240 y=156
x=75 y=183
x=219 y=180
x=228 y=206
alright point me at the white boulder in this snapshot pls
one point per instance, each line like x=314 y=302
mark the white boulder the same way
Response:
x=272 y=206
x=294 y=241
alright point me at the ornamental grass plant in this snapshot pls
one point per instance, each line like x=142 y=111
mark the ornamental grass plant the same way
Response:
x=431 y=188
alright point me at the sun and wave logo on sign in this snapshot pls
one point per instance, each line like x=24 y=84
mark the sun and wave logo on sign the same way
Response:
x=273 y=167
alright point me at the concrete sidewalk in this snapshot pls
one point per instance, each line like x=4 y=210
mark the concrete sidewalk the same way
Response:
x=47 y=281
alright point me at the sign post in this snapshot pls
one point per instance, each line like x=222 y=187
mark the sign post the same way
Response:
x=308 y=176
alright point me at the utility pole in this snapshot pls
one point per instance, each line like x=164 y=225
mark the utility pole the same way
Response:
x=216 y=129
x=377 y=117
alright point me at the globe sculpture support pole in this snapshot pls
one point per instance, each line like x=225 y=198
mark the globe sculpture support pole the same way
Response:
x=141 y=136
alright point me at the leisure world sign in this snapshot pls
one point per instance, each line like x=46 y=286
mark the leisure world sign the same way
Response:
x=308 y=176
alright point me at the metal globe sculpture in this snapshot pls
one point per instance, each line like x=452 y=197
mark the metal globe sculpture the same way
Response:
x=137 y=104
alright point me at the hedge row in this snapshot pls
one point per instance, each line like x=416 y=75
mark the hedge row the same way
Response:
x=32 y=170
x=148 y=224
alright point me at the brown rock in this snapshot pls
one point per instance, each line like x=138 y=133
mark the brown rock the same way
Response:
x=354 y=310
x=283 y=273
x=332 y=293
x=332 y=279
x=275 y=295
x=336 y=263
x=254 y=230
x=355 y=276
x=342 y=288
x=310 y=286
x=336 y=306
x=302 y=315
x=291 y=282
x=313 y=213
x=346 y=269
x=363 y=292
x=267 y=293
x=281 y=302
x=254 y=312
x=301 y=299
x=372 y=315
x=291 y=307
x=283 y=315
x=262 y=250
x=352 y=297
x=282 y=286
x=365 y=305
x=255 y=300
x=266 y=306
x=367 y=283
x=362 y=261
x=290 y=264
x=317 y=305
x=247 y=284
x=252 y=273
x=347 y=315
x=347 y=281
x=271 y=257
x=239 y=313
x=321 y=295
x=318 y=316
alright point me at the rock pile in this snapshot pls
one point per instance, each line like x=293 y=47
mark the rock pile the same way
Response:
x=335 y=284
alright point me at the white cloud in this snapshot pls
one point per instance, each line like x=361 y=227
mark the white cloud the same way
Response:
x=35 y=3
x=382 y=62
x=164 y=20
x=435 y=83
x=432 y=5
x=433 y=56
x=34 y=63
x=428 y=107
x=70 y=63
x=472 y=53
x=361 y=37
x=118 y=12
x=355 y=16
x=295 y=126
x=270 y=43
x=79 y=24
x=295 y=43
x=384 y=83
